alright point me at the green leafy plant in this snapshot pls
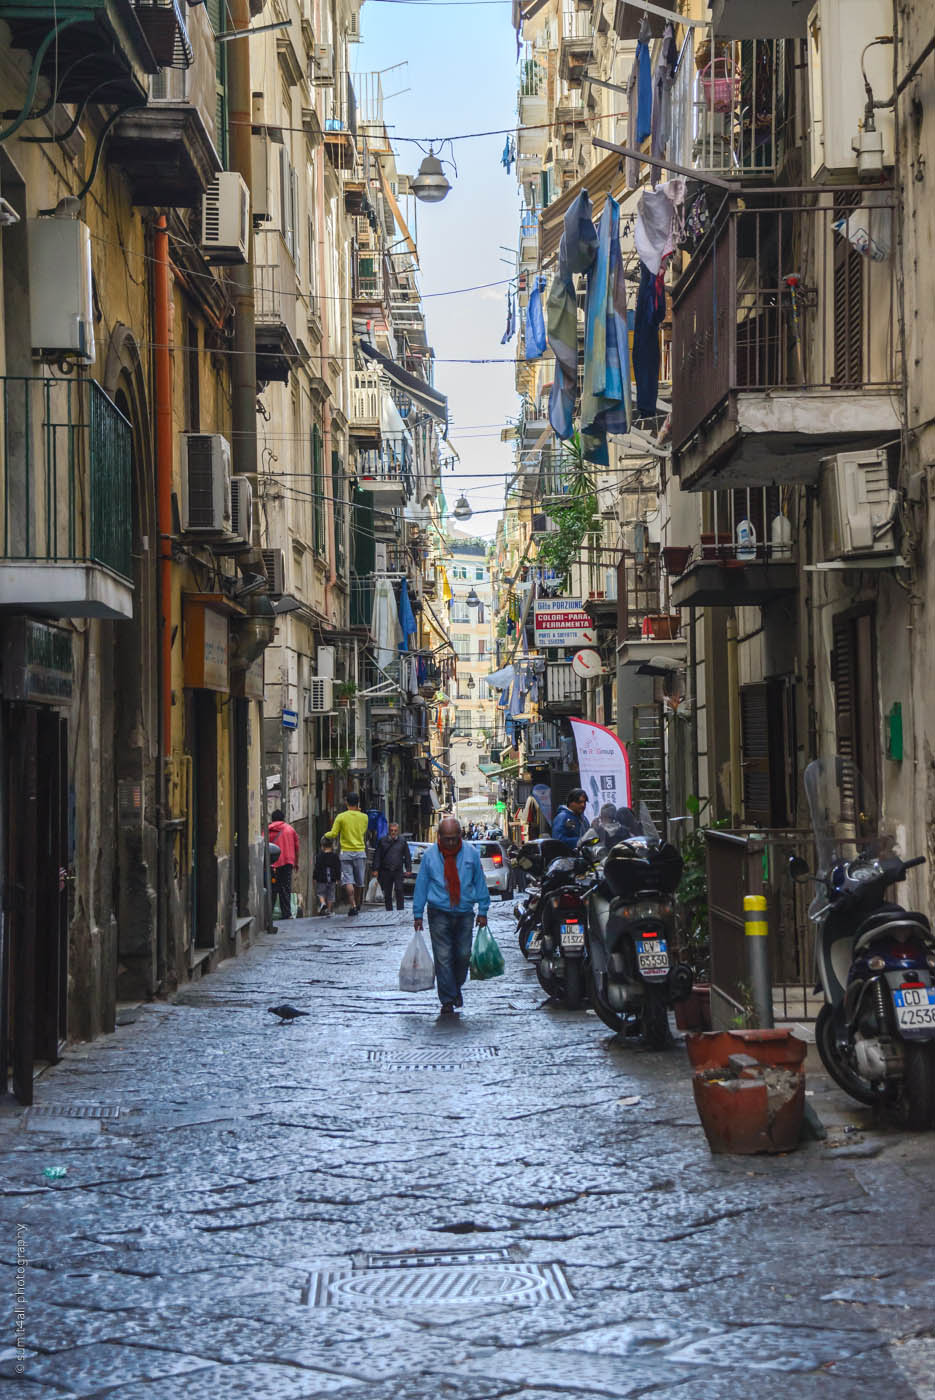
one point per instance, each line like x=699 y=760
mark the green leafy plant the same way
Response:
x=345 y=690
x=575 y=513
x=745 y=1020
x=343 y=761
x=692 y=893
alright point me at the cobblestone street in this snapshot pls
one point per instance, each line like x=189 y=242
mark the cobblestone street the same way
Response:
x=374 y=1202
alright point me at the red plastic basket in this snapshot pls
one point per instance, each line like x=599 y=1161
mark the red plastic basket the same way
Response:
x=720 y=83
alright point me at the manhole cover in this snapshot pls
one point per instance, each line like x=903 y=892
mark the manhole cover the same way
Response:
x=74 y=1110
x=428 y=1282
x=428 y=1059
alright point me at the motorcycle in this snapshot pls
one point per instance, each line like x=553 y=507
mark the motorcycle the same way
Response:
x=875 y=960
x=631 y=920
x=562 y=964
x=533 y=859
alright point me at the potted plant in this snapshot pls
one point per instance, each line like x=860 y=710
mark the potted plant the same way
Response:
x=345 y=691
x=692 y=896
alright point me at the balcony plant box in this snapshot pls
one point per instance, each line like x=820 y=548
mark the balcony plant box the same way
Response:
x=717 y=546
x=675 y=558
x=663 y=627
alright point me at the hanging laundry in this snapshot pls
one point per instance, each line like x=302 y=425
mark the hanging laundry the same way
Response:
x=407 y=621
x=650 y=312
x=509 y=154
x=658 y=221
x=644 y=85
x=663 y=78
x=510 y=331
x=535 y=322
x=605 y=396
x=632 y=165
x=576 y=254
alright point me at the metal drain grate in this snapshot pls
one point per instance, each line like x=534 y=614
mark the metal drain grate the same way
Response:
x=416 y=1259
x=431 y=1285
x=428 y=1059
x=74 y=1110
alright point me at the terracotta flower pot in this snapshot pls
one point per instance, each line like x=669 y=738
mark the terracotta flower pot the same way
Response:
x=694 y=1013
x=675 y=558
x=749 y=1089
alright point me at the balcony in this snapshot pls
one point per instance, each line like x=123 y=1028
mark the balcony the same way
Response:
x=529 y=240
x=364 y=416
x=750 y=566
x=784 y=344
x=67 y=500
x=542 y=741
x=275 y=293
x=574 y=50
x=340 y=744
x=164 y=149
x=734 y=115
x=387 y=473
x=368 y=286
x=569 y=119
x=562 y=688
x=84 y=45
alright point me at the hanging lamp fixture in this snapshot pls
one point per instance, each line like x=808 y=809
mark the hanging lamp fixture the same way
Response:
x=430 y=184
x=462 y=510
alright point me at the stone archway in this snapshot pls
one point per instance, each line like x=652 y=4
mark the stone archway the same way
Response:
x=133 y=691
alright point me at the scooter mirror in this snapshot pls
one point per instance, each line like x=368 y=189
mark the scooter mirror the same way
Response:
x=798 y=870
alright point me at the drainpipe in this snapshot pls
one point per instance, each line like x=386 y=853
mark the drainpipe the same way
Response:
x=243 y=372
x=163 y=377
x=733 y=718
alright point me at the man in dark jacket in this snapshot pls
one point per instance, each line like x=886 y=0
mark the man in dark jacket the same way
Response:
x=569 y=824
x=391 y=857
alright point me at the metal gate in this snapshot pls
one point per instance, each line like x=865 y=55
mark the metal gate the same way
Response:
x=648 y=762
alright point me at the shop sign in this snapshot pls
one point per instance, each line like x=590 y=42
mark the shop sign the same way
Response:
x=562 y=622
x=250 y=684
x=38 y=664
x=207 y=648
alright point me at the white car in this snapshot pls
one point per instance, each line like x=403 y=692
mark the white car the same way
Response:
x=496 y=866
x=417 y=850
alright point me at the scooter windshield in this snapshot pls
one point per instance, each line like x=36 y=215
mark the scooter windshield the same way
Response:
x=843 y=811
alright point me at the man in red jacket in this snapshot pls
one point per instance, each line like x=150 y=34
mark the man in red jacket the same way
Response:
x=283 y=836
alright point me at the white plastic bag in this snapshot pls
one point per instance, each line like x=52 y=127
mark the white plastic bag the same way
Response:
x=417 y=970
x=374 y=894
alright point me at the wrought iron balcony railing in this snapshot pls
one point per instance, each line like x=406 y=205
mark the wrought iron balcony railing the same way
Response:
x=67 y=475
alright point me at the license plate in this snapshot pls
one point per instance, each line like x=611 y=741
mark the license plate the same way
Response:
x=572 y=936
x=915 y=1008
x=652 y=955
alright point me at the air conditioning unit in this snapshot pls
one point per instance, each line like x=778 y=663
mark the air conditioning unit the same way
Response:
x=169 y=85
x=858 y=505
x=324 y=659
x=322 y=74
x=242 y=509
x=319 y=695
x=225 y=219
x=206 y=484
x=353 y=27
x=275 y=569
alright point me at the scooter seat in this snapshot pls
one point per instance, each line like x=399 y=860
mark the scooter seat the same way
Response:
x=893 y=920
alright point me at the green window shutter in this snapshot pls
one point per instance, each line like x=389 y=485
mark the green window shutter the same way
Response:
x=216 y=13
x=318 y=493
x=339 y=496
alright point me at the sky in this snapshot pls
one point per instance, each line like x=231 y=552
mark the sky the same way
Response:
x=461 y=77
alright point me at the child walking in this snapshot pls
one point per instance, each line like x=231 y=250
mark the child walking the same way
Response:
x=327 y=875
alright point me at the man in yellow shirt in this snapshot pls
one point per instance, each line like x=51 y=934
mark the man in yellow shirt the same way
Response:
x=350 y=828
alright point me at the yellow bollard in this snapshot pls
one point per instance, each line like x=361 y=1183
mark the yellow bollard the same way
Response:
x=756 y=929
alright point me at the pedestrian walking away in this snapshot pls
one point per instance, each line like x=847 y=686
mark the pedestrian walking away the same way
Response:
x=391 y=859
x=450 y=883
x=350 y=829
x=569 y=824
x=327 y=875
x=285 y=864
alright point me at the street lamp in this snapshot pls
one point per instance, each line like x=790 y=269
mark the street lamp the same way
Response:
x=472 y=599
x=430 y=184
x=462 y=510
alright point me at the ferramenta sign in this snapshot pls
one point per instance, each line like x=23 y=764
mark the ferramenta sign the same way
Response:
x=561 y=622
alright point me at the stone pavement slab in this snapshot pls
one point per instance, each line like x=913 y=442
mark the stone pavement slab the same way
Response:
x=377 y=1201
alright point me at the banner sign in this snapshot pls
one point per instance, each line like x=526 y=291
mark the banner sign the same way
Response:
x=603 y=766
x=562 y=622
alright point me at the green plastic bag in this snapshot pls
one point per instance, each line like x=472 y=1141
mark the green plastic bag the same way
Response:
x=486 y=958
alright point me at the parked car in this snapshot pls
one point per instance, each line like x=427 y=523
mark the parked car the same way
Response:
x=416 y=850
x=495 y=861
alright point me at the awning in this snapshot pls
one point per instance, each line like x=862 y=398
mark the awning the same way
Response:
x=423 y=394
x=606 y=178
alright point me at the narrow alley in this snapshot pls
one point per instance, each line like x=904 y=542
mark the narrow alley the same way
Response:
x=374 y=1201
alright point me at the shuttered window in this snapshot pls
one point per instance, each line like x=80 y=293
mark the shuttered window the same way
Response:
x=853 y=676
x=848 y=307
x=767 y=751
x=318 y=493
x=216 y=12
x=339 y=495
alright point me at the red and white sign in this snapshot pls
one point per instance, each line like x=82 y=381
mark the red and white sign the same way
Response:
x=603 y=766
x=587 y=663
x=562 y=622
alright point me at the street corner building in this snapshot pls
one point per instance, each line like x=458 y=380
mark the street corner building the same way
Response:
x=219 y=452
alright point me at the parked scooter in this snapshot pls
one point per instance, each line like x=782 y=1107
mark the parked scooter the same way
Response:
x=631 y=920
x=533 y=859
x=875 y=960
x=562 y=964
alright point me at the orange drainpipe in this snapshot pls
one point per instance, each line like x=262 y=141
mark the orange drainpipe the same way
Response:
x=163 y=366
